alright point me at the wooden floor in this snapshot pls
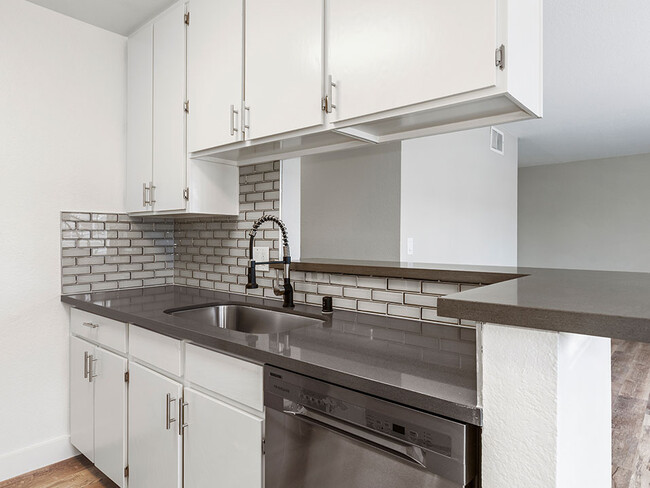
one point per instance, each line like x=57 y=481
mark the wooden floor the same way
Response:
x=630 y=414
x=72 y=473
x=630 y=432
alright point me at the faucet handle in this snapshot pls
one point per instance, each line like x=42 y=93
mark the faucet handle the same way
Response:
x=252 y=280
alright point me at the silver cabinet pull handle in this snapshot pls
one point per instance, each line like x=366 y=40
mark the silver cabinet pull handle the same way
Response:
x=233 y=127
x=181 y=415
x=91 y=372
x=85 y=365
x=90 y=325
x=145 y=202
x=152 y=189
x=168 y=407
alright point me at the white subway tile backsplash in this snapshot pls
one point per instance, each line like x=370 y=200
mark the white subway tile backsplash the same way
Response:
x=432 y=315
x=437 y=288
x=404 y=285
x=330 y=290
x=387 y=296
x=370 y=282
x=420 y=300
x=361 y=293
x=373 y=307
x=110 y=251
x=106 y=252
x=404 y=311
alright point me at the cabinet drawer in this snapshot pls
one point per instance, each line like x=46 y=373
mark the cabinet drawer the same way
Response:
x=107 y=332
x=227 y=376
x=156 y=349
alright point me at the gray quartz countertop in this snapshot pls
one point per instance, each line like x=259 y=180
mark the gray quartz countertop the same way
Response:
x=364 y=352
x=598 y=303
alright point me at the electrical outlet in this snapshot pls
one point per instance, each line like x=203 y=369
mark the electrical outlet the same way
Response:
x=409 y=246
x=261 y=254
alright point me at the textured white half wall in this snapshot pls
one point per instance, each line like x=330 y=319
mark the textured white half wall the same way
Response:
x=546 y=408
x=62 y=147
x=459 y=200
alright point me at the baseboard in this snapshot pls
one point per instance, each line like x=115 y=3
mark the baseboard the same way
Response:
x=36 y=456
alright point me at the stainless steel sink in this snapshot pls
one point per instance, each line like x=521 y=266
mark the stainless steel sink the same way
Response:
x=244 y=318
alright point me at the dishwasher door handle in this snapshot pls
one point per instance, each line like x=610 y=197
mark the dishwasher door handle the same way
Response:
x=407 y=452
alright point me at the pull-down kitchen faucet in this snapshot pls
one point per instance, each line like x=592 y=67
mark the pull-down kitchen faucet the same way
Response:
x=286 y=290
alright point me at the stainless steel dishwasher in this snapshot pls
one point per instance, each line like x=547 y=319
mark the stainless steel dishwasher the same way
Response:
x=319 y=435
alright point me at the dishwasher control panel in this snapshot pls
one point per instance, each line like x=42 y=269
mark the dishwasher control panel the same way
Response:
x=404 y=429
x=414 y=434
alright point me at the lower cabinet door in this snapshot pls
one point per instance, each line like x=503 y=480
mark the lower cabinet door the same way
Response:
x=81 y=397
x=110 y=414
x=221 y=443
x=155 y=446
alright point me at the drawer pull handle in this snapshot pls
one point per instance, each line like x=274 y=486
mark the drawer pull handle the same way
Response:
x=90 y=325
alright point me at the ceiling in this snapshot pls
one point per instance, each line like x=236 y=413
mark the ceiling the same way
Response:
x=596 y=83
x=596 y=74
x=120 y=16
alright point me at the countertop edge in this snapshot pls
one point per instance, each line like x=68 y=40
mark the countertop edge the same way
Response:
x=455 y=411
x=574 y=322
x=444 y=275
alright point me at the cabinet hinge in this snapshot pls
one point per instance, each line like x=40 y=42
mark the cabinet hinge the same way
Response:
x=324 y=104
x=186 y=106
x=126 y=472
x=500 y=57
x=126 y=377
x=186 y=193
x=186 y=19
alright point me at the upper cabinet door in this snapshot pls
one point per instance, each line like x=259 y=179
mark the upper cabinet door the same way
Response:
x=386 y=54
x=215 y=54
x=284 y=65
x=169 y=154
x=139 y=156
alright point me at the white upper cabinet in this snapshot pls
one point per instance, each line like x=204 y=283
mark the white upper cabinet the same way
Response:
x=384 y=54
x=215 y=55
x=284 y=66
x=139 y=155
x=160 y=179
x=169 y=154
x=286 y=78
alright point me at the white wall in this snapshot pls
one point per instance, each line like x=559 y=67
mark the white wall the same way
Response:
x=350 y=204
x=586 y=215
x=459 y=199
x=62 y=147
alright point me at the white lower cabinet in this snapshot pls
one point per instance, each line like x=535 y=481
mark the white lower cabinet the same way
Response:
x=193 y=423
x=98 y=407
x=155 y=446
x=110 y=414
x=221 y=443
x=82 y=413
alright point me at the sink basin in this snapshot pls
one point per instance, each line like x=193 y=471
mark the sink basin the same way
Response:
x=244 y=318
